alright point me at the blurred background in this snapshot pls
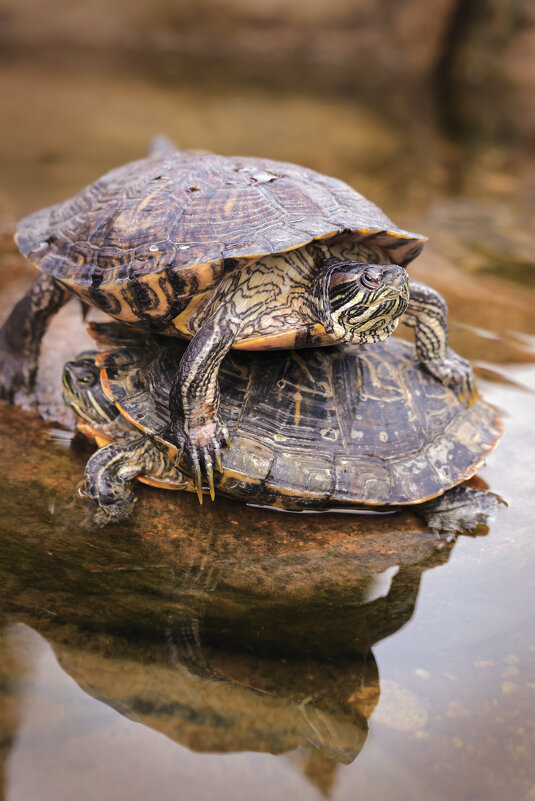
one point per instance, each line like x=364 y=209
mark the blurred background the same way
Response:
x=352 y=87
x=426 y=107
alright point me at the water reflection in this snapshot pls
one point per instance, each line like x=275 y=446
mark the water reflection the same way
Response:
x=216 y=659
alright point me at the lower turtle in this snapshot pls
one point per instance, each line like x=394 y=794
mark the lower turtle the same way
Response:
x=346 y=426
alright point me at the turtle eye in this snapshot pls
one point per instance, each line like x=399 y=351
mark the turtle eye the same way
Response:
x=371 y=278
x=85 y=379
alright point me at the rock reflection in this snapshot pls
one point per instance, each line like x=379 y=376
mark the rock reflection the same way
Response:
x=250 y=634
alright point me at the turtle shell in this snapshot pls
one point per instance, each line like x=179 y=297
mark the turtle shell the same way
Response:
x=168 y=227
x=332 y=426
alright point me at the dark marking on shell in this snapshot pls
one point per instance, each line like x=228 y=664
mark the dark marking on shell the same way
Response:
x=101 y=299
x=105 y=301
x=230 y=264
x=143 y=297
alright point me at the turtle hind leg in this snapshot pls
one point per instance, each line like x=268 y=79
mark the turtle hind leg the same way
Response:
x=108 y=478
x=461 y=510
x=21 y=334
x=111 y=470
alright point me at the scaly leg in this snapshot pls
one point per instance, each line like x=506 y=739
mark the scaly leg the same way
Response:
x=427 y=313
x=21 y=334
x=111 y=470
x=194 y=401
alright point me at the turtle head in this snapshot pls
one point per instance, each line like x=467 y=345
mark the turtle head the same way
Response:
x=359 y=302
x=82 y=390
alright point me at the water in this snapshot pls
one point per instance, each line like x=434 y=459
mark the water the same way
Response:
x=234 y=650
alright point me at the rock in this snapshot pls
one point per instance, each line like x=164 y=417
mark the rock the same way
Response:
x=359 y=34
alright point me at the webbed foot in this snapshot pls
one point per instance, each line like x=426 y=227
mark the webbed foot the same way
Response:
x=461 y=510
x=105 y=507
x=107 y=514
x=454 y=372
x=202 y=444
x=109 y=476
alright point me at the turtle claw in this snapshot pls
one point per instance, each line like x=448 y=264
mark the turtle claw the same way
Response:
x=197 y=472
x=198 y=483
x=203 y=457
x=210 y=474
x=203 y=445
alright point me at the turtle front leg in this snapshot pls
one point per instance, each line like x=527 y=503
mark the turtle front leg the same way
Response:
x=21 y=334
x=194 y=400
x=427 y=313
x=111 y=470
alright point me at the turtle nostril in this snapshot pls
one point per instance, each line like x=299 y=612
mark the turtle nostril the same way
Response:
x=395 y=277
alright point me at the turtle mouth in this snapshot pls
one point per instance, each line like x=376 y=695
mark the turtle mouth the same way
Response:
x=390 y=293
x=378 y=334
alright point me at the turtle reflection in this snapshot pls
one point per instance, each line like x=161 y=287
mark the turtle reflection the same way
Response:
x=230 y=664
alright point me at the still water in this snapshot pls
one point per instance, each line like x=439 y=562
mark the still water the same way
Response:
x=237 y=651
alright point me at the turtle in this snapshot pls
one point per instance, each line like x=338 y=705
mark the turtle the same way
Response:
x=314 y=429
x=227 y=252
